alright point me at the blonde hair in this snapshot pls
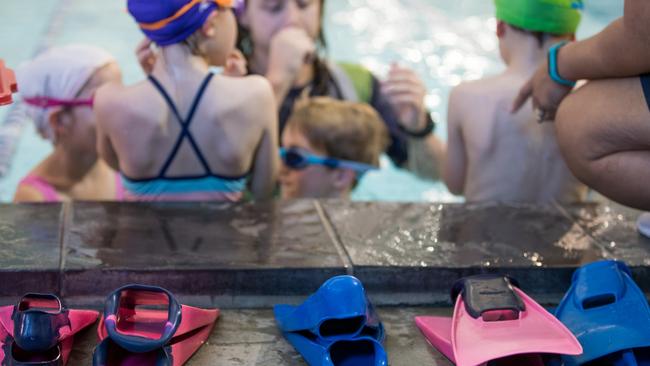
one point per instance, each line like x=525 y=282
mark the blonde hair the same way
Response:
x=344 y=130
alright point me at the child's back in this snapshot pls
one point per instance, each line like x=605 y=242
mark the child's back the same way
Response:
x=186 y=134
x=510 y=157
x=493 y=154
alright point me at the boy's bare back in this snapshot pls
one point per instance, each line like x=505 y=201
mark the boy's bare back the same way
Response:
x=495 y=155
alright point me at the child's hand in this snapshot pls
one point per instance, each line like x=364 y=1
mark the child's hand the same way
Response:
x=291 y=48
x=235 y=65
x=146 y=55
x=406 y=92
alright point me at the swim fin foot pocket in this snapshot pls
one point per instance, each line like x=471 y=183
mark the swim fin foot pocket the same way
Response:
x=147 y=326
x=39 y=330
x=335 y=326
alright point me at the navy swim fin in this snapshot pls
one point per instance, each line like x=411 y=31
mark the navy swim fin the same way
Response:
x=147 y=326
x=39 y=330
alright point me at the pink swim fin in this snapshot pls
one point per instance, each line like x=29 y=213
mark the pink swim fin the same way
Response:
x=145 y=325
x=40 y=331
x=495 y=321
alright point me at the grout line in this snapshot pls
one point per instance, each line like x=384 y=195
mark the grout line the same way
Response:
x=574 y=220
x=340 y=248
x=66 y=222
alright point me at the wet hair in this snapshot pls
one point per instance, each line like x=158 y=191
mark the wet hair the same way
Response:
x=343 y=130
x=321 y=72
x=193 y=43
x=541 y=37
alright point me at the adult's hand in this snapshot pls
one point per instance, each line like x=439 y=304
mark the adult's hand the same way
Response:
x=405 y=92
x=290 y=49
x=546 y=93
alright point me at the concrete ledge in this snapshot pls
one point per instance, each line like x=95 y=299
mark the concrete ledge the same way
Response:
x=254 y=255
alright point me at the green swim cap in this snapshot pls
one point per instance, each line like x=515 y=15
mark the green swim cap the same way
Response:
x=548 y=16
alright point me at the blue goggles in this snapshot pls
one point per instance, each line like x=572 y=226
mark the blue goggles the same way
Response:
x=298 y=159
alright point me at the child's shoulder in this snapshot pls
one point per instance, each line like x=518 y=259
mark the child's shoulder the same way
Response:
x=249 y=90
x=479 y=86
x=249 y=97
x=491 y=89
x=117 y=95
x=253 y=84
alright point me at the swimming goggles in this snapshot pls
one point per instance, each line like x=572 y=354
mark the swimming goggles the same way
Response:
x=299 y=159
x=45 y=102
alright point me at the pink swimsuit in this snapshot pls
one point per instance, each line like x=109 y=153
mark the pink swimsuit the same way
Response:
x=50 y=194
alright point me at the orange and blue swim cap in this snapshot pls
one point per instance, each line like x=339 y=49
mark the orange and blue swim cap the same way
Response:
x=166 y=22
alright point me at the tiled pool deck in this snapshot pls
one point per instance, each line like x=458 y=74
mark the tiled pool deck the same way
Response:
x=245 y=258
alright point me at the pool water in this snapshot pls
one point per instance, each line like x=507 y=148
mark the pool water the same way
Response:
x=444 y=41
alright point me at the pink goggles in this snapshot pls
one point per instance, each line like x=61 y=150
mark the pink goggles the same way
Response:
x=46 y=102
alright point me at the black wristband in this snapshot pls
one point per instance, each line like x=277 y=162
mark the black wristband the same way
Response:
x=426 y=131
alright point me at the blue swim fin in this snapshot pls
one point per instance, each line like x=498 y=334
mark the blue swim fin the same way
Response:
x=357 y=351
x=609 y=315
x=336 y=326
x=339 y=309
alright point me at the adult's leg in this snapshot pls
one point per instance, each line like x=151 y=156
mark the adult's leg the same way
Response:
x=604 y=133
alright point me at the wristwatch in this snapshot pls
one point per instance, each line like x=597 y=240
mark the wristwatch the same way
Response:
x=426 y=131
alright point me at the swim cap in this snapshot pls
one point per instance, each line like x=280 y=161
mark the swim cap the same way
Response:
x=58 y=73
x=549 y=16
x=171 y=21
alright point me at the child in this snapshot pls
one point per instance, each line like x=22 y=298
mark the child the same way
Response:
x=57 y=89
x=280 y=38
x=186 y=134
x=328 y=146
x=494 y=155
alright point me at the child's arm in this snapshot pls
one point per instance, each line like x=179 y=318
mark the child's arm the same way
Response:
x=25 y=193
x=267 y=158
x=455 y=167
x=102 y=113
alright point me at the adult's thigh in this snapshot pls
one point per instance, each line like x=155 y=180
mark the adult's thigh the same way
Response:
x=604 y=133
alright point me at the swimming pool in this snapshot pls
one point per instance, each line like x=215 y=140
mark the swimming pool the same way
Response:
x=444 y=41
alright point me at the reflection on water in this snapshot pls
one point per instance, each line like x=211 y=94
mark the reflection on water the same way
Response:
x=614 y=227
x=461 y=236
x=190 y=236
